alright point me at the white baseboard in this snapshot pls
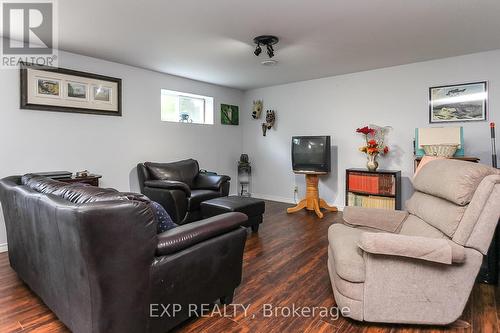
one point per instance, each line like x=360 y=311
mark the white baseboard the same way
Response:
x=3 y=247
x=273 y=198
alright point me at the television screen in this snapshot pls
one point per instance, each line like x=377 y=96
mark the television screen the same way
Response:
x=311 y=153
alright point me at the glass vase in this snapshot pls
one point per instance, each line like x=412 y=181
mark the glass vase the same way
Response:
x=371 y=163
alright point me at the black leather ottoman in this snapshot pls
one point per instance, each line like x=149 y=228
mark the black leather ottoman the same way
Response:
x=253 y=208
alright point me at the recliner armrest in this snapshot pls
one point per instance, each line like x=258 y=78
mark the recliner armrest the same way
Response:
x=169 y=185
x=209 y=181
x=187 y=235
x=430 y=249
x=376 y=218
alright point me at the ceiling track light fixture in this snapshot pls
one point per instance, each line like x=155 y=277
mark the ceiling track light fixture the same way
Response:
x=266 y=40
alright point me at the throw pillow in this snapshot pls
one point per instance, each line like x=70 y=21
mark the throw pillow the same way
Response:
x=163 y=219
x=425 y=160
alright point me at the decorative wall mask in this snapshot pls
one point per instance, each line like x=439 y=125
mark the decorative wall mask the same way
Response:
x=270 y=119
x=257 y=109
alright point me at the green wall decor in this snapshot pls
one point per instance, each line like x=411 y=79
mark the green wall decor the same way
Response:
x=229 y=114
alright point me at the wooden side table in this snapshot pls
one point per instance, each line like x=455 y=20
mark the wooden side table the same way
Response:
x=312 y=201
x=90 y=179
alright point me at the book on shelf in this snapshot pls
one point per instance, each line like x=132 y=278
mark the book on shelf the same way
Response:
x=382 y=184
x=375 y=189
x=370 y=201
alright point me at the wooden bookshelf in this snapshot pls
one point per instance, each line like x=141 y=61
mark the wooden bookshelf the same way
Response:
x=375 y=189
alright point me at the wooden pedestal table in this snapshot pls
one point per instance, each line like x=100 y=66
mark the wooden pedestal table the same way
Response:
x=312 y=201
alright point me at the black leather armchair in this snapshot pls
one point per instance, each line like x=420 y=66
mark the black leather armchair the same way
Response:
x=180 y=187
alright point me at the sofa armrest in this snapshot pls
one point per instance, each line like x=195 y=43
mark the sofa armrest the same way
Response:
x=210 y=182
x=376 y=218
x=430 y=249
x=187 y=235
x=169 y=185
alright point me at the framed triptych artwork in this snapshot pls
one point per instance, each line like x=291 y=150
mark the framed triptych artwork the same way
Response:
x=64 y=90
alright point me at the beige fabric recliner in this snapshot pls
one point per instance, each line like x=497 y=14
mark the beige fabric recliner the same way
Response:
x=417 y=266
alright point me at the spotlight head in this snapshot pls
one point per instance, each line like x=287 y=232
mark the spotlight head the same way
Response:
x=270 y=51
x=258 y=50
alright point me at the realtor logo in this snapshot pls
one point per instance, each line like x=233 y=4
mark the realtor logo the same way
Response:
x=28 y=33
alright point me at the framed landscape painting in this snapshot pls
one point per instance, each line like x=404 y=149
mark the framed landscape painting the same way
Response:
x=64 y=90
x=229 y=114
x=458 y=103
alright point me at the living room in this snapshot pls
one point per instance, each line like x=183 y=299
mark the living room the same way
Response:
x=257 y=79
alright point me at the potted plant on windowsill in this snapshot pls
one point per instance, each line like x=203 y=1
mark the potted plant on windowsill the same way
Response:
x=374 y=138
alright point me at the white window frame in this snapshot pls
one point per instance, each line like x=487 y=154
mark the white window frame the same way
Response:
x=208 y=105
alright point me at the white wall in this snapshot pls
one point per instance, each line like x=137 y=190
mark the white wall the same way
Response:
x=33 y=141
x=397 y=96
x=336 y=106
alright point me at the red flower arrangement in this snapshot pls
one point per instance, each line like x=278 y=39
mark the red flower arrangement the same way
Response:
x=366 y=130
x=374 y=144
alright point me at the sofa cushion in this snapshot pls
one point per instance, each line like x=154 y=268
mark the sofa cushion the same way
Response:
x=342 y=301
x=84 y=193
x=209 y=181
x=197 y=196
x=163 y=220
x=426 y=159
x=168 y=185
x=184 y=171
x=349 y=289
x=376 y=218
x=485 y=226
x=415 y=226
x=77 y=192
x=477 y=210
x=452 y=180
x=41 y=184
x=439 y=213
x=438 y=250
x=347 y=256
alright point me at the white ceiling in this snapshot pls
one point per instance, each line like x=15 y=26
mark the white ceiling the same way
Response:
x=211 y=40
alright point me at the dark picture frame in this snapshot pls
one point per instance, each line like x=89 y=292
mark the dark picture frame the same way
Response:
x=53 y=87
x=458 y=102
x=229 y=114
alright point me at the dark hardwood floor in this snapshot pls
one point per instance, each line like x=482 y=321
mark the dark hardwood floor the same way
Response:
x=284 y=264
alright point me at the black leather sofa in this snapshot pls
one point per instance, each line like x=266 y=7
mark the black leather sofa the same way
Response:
x=180 y=187
x=93 y=255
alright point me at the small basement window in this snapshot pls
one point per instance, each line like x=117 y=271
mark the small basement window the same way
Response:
x=182 y=107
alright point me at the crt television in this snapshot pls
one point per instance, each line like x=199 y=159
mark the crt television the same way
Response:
x=311 y=153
